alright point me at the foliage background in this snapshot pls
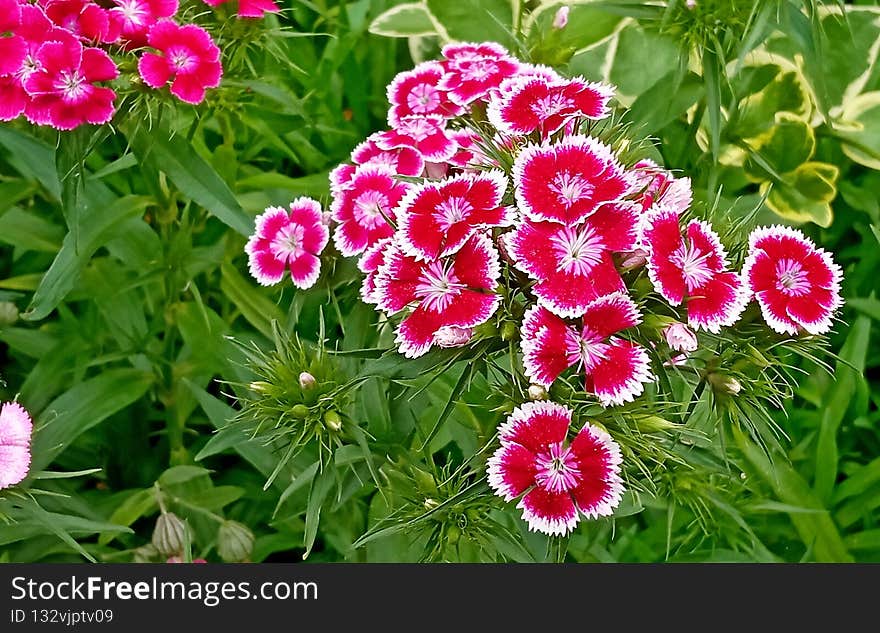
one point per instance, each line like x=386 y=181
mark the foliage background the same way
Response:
x=128 y=324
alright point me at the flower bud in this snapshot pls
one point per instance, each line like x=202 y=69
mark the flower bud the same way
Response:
x=634 y=259
x=333 y=421
x=235 y=542
x=690 y=4
x=145 y=553
x=430 y=504
x=508 y=331
x=299 y=411
x=306 y=380
x=169 y=535
x=724 y=384
x=452 y=336
x=680 y=337
x=537 y=392
x=8 y=313
x=260 y=386
x=561 y=18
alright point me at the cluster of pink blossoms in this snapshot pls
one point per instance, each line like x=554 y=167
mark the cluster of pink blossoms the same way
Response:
x=486 y=169
x=55 y=65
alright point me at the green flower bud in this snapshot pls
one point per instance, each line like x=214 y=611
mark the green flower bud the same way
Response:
x=508 y=331
x=333 y=421
x=169 y=535
x=299 y=411
x=453 y=533
x=8 y=313
x=537 y=392
x=235 y=542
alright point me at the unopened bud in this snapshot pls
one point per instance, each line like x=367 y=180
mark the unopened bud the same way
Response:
x=306 y=380
x=725 y=384
x=537 y=392
x=430 y=504
x=680 y=337
x=453 y=336
x=690 y=4
x=561 y=18
x=260 y=386
x=508 y=331
x=299 y=411
x=8 y=313
x=169 y=535
x=235 y=542
x=634 y=259
x=333 y=421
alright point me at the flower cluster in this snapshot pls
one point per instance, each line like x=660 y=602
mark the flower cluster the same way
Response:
x=492 y=194
x=55 y=56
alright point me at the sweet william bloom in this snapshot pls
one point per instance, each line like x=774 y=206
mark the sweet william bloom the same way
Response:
x=404 y=161
x=84 y=19
x=290 y=240
x=436 y=218
x=659 y=187
x=364 y=208
x=796 y=284
x=473 y=70
x=12 y=47
x=15 y=444
x=615 y=369
x=189 y=59
x=255 y=9
x=455 y=291
x=525 y=104
x=567 y=181
x=137 y=16
x=453 y=336
x=573 y=264
x=560 y=481
x=415 y=92
x=62 y=89
x=369 y=263
x=424 y=133
x=693 y=267
x=680 y=337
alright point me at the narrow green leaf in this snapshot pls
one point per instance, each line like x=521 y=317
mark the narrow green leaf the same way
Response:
x=256 y=308
x=321 y=486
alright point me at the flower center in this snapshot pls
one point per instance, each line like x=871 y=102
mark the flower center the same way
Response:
x=557 y=469
x=182 y=60
x=570 y=187
x=133 y=12
x=694 y=265
x=791 y=278
x=578 y=250
x=551 y=104
x=28 y=66
x=72 y=86
x=586 y=349
x=288 y=242
x=452 y=211
x=423 y=99
x=368 y=208
x=438 y=286
x=477 y=70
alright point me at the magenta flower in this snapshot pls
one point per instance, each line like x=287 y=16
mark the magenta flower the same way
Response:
x=473 y=70
x=404 y=161
x=288 y=240
x=425 y=134
x=436 y=218
x=190 y=60
x=84 y=19
x=255 y=9
x=572 y=264
x=693 y=267
x=567 y=181
x=15 y=444
x=524 y=104
x=415 y=92
x=62 y=89
x=660 y=188
x=364 y=208
x=12 y=47
x=796 y=284
x=680 y=337
x=455 y=291
x=615 y=369
x=560 y=481
x=137 y=16
x=369 y=264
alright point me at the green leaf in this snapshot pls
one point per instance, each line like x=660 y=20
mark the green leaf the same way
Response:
x=806 y=194
x=191 y=174
x=712 y=73
x=318 y=492
x=787 y=145
x=475 y=20
x=135 y=505
x=83 y=406
x=757 y=112
x=30 y=231
x=659 y=105
x=411 y=19
x=32 y=158
x=181 y=474
x=255 y=307
x=860 y=129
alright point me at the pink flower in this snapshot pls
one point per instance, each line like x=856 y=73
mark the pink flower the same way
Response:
x=659 y=187
x=680 y=337
x=615 y=369
x=560 y=481
x=693 y=267
x=573 y=264
x=472 y=70
x=796 y=284
x=455 y=291
x=404 y=161
x=84 y=19
x=567 y=181
x=468 y=152
x=189 y=59
x=453 y=336
x=369 y=263
x=425 y=134
x=525 y=104
x=288 y=240
x=137 y=16
x=364 y=208
x=341 y=175
x=12 y=48
x=15 y=444
x=250 y=8
x=415 y=92
x=63 y=88
x=560 y=20
x=436 y=218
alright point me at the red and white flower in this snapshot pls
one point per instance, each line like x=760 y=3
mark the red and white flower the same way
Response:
x=693 y=267
x=436 y=218
x=404 y=161
x=454 y=291
x=796 y=284
x=615 y=369
x=572 y=264
x=472 y=70
x=680 y=337
x=415 y=92
x=524 y=104
x=15 y=444
x=364 y=208
x=567 y=181
x=288 y=240
x=369 y=264
x=559 y=481
x=425 y=134
x=659 y=187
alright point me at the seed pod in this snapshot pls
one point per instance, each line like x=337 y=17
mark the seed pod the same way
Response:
x=235 y=542
x=169 y=535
